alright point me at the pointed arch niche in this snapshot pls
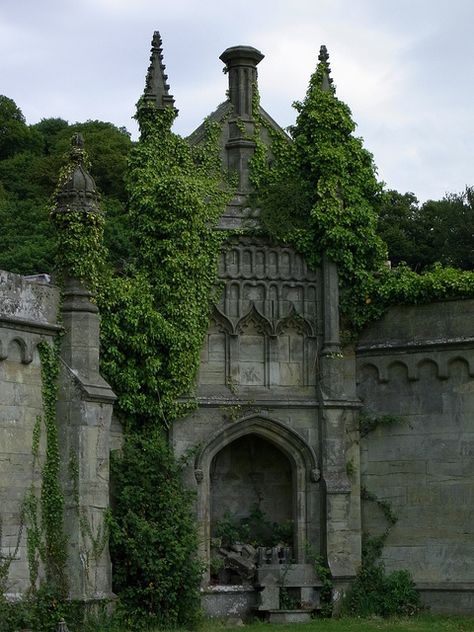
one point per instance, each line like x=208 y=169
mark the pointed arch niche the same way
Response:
x=252 y=441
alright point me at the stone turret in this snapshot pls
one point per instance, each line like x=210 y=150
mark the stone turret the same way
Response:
x=78 y=192
x=323 y=58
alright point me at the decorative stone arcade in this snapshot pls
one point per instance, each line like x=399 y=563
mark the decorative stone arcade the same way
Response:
x=275 y=427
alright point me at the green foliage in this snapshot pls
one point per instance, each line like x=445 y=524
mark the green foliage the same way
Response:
x=374 y=592
x=28 y=175
x=53 y=549
x=398 y=227
x=255 y=529
x=320 y=193
x=14 y=133
x=156 y=316
x=368 y=422
x=324 y=575
x=437 y=231
x=43 y=607
x=79 y=246
x=153 y=537
x=384 y=505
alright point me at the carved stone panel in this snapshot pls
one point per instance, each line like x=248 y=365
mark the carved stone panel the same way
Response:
x=266 y=325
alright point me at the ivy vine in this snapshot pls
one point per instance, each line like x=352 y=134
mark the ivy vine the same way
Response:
x=54 y=552
x=80 y=251
x=156 y=316
x=319 y=193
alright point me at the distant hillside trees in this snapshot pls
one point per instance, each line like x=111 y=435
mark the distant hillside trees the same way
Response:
x=30 y=159
x=435 y=231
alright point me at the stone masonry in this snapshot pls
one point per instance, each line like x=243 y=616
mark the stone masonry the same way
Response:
x=278 y=399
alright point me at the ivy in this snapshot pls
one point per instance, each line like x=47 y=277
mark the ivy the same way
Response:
x=156 y=316
x=52 y=499
x=319 y=193
x=79 y=248
x=375 y=592
x=368 y=422
x=153 y=536
x=154 y=319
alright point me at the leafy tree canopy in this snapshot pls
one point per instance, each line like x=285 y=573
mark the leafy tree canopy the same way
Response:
x=30 y=159
x=434 y=232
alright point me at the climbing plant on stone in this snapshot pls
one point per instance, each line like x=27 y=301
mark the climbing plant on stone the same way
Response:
x=79 y=223
x=160 y=312
x=320 y=192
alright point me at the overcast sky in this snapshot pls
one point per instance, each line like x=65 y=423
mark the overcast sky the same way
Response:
x=405 y=68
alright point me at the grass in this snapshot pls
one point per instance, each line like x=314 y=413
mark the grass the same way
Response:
x=420 y=623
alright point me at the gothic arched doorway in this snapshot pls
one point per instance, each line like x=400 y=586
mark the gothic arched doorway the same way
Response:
x=251 y=484
x=258 y=465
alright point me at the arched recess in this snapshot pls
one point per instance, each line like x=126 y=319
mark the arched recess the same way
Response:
x=18 y=348
x=300 y=454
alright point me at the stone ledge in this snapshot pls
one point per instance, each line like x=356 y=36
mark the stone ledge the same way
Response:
x=288 y=616
x=414 y=346
x=446 y=586
x=31 y=326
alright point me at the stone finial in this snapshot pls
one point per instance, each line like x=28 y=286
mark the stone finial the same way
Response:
x=241 y=65
x=156 y=86
x=62 y=627
x=323 y=57
x=77 y=191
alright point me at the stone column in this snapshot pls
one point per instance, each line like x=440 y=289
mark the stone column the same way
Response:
x=84 y=415
x=337 y=419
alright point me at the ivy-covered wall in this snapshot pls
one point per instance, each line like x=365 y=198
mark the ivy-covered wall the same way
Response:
x=28 y=313
x=55 y=413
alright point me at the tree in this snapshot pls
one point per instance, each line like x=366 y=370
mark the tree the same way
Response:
x=29 y=169
x=397 y=221
x=439 y=231
x=14 y=133
x=445 y=231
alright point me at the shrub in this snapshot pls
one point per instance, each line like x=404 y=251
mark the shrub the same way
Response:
x=153 y=537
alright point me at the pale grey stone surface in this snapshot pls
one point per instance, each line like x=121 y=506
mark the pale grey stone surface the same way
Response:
x=28 y=315
x=417 y=363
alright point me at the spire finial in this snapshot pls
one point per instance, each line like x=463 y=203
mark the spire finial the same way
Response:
x=323 y=58
x=323 y=55
x=156 y=86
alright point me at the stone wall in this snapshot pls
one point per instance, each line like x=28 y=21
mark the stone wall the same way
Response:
x=28 y=313
x=271 y=384
x=417 y=363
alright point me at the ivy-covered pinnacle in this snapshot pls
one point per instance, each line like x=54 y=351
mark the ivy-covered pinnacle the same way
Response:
x=321 y=194
x=78 y=220
x=154 y=320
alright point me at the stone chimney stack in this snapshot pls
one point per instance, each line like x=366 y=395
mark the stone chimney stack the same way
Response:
x=241 y=66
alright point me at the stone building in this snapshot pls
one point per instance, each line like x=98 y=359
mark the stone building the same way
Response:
x=277 y=423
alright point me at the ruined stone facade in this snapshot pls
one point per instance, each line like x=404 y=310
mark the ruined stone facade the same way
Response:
x=276 y=426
